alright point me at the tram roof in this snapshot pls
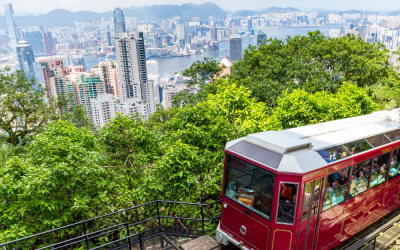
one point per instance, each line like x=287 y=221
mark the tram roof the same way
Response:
x=302 y=149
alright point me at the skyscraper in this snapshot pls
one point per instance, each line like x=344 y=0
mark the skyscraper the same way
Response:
x=26 y=58
x=35 y=39
x=78 y=61
x=362 y=27
x=235 y=47
x=249 y=24
x=180 y=31
x=41 y=28
x=89 y=86
x=48 y=43
x=13 y=32
x=119 y=22
x=213 y=32
x=109 y=43
x=261 y=37
x=132 y=70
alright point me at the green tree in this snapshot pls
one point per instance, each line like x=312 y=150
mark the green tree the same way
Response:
x=200 y=73
x=301 y=108
x=312 y=63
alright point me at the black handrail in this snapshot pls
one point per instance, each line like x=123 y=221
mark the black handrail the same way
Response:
x=121 y=226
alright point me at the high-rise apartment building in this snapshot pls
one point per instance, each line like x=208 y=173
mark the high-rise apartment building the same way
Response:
x=119 y=22
x=26 y=58
x=48 y=43
x=35 y=39
x=54 y=74
x=131 y=60
x=108 y=72
x=213 y=32
x=261 y=37
x=89 y=86
x=235 y=48
x=13 y=31
x=180 y=31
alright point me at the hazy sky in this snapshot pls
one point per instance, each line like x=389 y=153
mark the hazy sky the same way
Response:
x=44 y=6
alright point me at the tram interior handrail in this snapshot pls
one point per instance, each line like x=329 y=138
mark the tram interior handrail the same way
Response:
x=85 y=237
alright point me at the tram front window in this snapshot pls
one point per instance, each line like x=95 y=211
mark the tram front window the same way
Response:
x=249 y=185
x=287 y=203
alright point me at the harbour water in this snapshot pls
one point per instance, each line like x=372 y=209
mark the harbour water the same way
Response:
x=167 y=67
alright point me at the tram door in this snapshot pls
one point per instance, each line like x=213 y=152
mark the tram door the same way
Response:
x=311 y=204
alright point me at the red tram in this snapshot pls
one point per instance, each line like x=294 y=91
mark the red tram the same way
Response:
x=310 y=187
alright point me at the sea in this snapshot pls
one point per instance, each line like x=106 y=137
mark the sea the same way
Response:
x=167 y=67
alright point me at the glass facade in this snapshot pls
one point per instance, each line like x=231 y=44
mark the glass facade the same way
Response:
x=26 y=58
x=13 y=31
x=35 y=39
x=119 y=22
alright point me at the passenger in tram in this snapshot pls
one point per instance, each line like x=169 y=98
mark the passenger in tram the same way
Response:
x=286 y=192
x=376 y=166
x=395 y=169
x=353 y=151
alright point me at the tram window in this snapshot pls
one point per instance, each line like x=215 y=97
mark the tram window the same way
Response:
x=378 y=140
x=334 y=153
x=380 y=169
x=395 y=165
x=393 y=135
x=306 y=200
x=249 y=185
x=358 y=146
x=287 y=203
x=360 y=178
x=336 y=187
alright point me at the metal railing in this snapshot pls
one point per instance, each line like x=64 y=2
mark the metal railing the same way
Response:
x=149 y=220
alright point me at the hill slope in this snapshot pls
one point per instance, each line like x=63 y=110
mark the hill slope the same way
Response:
x=62 y=17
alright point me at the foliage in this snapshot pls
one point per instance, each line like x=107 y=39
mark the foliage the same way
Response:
x=23 y=110
x=386 y=93
x=301 y=108
x=312 y=63
x=200 y=74
x=59 y=181
x=7 y=151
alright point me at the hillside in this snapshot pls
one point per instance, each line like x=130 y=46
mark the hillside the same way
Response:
x=278 y=10
x=62 y=17
x=245 y=13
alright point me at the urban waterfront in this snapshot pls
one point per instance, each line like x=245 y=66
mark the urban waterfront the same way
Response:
x=167 y=67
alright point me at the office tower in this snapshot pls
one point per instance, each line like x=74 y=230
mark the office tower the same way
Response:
x=119 y=22
x=152 y=67
x=13 y=31
x=249 y=24
x=181 y=43
x=362 y=27
x=41 y=28
x=66 y=59
x=78 y=61
x=89 y=86
x=351 y=25
x=180 y=31
x=213 y=32
x=188 y=39
x=158 y=42
x=108 y=72
x=48 y=43
x=34 y=38
x=131 y=60
x=167 y=40
x=26 y=58
x=235 y=47
x=109 y=43
x=261 y=37
x=152 y=75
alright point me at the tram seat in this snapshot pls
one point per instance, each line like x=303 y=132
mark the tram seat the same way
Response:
x=286 y=210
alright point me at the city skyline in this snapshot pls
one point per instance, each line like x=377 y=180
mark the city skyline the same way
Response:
x=100 y=6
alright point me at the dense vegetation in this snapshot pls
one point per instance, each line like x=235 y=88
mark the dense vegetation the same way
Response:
x=70 y=171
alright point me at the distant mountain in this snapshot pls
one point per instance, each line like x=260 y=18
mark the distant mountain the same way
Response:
x=278 y=10
x=324 y=11
x=62 y=17
x=245 y=13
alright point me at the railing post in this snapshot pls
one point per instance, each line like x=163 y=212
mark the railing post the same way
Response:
x=140 y=242
x=86 y=238
x=4 y=248
x=374 y=243
x=129 y=238
x=202 y=218
x=158 y=215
